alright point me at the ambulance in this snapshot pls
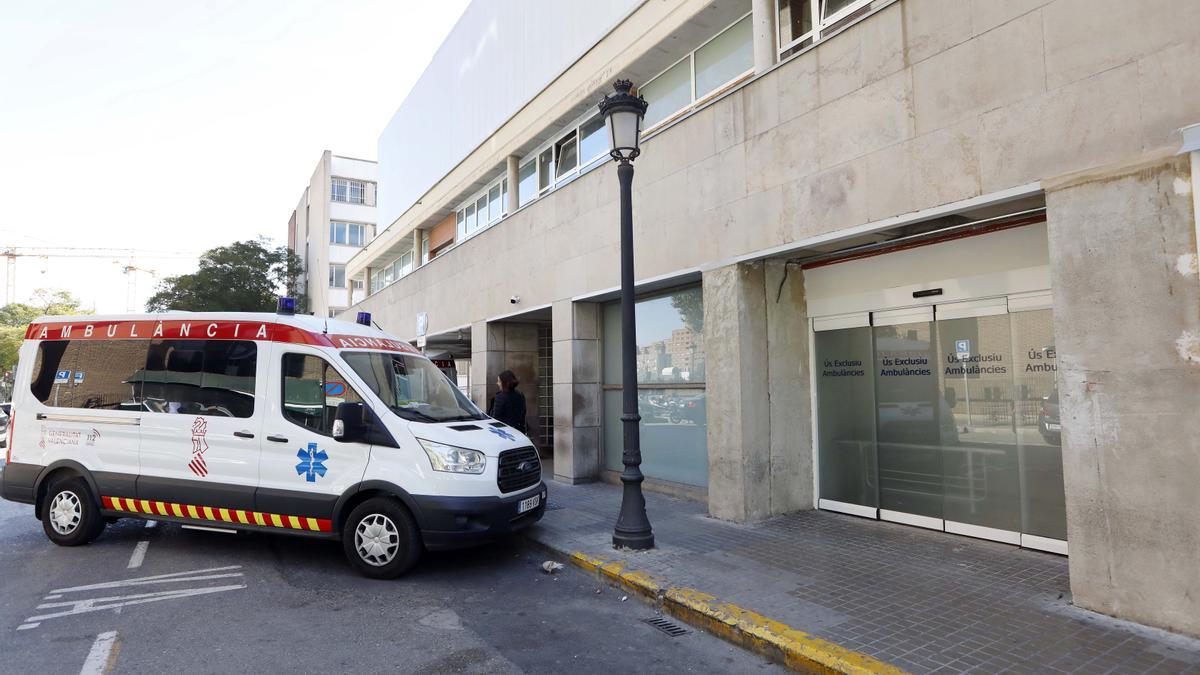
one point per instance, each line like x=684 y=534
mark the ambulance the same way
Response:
x=261 y=422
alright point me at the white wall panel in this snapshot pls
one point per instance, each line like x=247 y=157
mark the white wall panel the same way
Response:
x=499 y=55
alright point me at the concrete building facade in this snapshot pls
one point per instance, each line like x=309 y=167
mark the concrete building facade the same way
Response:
x=334 y=218
x=925 y=261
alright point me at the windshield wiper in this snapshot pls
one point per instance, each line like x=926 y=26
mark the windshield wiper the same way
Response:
x=462 y=418
x=417 y=413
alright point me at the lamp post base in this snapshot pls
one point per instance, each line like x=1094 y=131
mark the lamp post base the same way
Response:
x=633 y=527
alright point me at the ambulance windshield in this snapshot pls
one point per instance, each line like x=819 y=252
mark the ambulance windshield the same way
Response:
x=412 y=387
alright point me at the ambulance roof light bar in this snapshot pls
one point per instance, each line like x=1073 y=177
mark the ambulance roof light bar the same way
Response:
x=285 y=306
x=363 y=318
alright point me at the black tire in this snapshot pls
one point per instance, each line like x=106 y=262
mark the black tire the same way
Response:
x=373 y=561
x=71 y=493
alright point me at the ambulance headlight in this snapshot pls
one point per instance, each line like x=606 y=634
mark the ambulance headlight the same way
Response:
x=451 y=459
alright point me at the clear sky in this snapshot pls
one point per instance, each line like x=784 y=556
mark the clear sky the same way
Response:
x=166 y=125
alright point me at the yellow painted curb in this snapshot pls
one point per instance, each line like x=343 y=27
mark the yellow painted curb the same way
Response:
x=796 y=649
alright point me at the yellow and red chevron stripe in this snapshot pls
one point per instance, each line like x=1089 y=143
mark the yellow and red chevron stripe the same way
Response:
x=217 y=515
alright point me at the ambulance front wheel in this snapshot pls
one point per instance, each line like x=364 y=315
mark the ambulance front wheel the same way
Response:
x=70 y=515
x=381 y=539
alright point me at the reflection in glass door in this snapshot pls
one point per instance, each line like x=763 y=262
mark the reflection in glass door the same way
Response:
x=949 y=423
x=909 y=422
x=1039 y=431
x=979 y=441
x=846 y=430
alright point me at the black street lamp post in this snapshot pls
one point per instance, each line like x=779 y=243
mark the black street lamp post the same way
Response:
x=623 y=113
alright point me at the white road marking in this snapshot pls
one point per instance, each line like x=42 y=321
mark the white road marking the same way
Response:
x=27 y=626
x=193 y=575
x=139 y=554
x=53 y=597
x=100 y=604
x=150 y=524
x=96 y=662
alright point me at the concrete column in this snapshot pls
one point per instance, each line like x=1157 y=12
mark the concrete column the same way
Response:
x=789 y=386
x=512 y=171
x=486 y=361
x=577 y=392
x=1127 y=330
x=417 y=233
x=763 y=18
x=499 y=346
x=739 y=439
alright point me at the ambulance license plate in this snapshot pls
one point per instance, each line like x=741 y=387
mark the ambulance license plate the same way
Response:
x=529 y=504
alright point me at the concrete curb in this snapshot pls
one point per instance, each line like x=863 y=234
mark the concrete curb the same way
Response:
x=775 y=640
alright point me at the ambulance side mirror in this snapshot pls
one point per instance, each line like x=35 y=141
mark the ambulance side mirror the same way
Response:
x=350 y=422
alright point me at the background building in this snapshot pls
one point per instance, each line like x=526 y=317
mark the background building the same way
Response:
x=334 y=219
x=927 y=262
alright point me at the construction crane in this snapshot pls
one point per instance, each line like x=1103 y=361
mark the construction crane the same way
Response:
x=126 y=257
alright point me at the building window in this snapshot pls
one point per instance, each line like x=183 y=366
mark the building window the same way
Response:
x=337 y=276
x=566 y=153
x=356 y=284
x=593 y=142
x=527 y=187
x=545 y=169
x=482 y=209
x=668 y=93
x=724 y=58
x=350 y=191
x=671 y=386
x=347 y=234
x=801 y=22
x=721 y=60
x=494 y=204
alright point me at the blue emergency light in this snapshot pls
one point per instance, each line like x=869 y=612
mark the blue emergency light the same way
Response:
x=286 y=306
x=363 y=318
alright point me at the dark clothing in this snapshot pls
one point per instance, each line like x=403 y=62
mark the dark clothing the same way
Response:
x=509 y=407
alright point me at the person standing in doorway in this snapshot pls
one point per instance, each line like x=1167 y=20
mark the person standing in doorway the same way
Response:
x=509 y=404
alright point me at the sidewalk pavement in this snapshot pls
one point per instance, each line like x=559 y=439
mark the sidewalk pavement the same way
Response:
x=828 y=591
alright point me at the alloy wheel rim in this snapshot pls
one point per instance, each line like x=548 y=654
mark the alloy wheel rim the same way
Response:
x=376 y=540
x=65 y=512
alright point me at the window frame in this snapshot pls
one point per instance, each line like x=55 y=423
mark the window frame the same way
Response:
x=349 y=184
x=820 y=24
x=690 y=57
x=333 y=270
x=283 y=387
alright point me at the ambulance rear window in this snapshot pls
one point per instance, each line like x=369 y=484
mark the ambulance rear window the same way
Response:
x=89 y=373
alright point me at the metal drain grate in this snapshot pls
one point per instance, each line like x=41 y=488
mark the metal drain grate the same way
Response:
x=669 y=627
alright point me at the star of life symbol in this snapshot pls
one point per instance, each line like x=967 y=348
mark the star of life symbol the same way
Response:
x=199 y=446
x=502 y=433
x=312 y=463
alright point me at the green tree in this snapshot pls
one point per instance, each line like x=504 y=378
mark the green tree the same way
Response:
x=246 y=276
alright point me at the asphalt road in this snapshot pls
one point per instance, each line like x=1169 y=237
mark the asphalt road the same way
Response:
x=271 y=603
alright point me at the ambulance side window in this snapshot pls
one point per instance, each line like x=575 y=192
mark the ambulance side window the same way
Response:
x=200 y=377
x=312 y=391
x=91 y=374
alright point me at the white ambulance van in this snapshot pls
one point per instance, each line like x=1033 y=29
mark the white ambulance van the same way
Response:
x=267 y=422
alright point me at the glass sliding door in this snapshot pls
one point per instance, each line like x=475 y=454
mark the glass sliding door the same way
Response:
x=846 y=417
x=1039 y=431
x=978 y=429
x=908 y=417
x=944 y=417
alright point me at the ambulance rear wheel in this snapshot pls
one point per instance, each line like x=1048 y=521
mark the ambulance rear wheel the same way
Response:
x=70 y=515
x=381 y=539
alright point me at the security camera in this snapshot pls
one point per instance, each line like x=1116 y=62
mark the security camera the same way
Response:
x=515 y=299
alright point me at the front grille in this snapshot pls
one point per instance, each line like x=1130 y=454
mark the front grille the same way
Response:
x=510 y=477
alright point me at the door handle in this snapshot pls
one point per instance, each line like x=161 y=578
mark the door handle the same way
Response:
x=243 y=434
x=277 y=439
